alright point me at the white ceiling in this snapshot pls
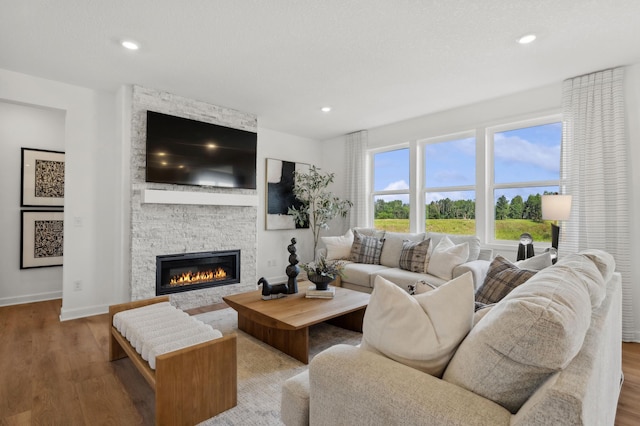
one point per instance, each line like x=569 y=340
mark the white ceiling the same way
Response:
x=374 y=61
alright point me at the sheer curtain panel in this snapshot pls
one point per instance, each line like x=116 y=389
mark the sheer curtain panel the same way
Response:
x=595 y=171
x=356 y=177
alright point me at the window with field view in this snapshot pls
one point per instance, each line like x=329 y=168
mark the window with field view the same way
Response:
x=391 y=190
x=526 y=166
x=508 y=170
x=449 y=185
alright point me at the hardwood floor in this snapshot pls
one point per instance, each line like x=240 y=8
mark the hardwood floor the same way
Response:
x=57 y=373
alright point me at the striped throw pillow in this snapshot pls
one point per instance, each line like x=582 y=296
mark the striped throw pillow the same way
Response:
x=502 y=277
x=414 y=256
x=366 y=249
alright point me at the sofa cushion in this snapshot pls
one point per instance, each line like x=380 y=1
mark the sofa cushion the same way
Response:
x=474 y=242
x=591 y=267
x=536 y=263
x=536 y=330
x=602 y=260
x=404 y=278
x=502 y=277
x=371 y=232
x=338 y=248
x=446 y=256
x=414 y=256
x=392 y=248
x=366 y=249
x=420 y=331
x=361 y=274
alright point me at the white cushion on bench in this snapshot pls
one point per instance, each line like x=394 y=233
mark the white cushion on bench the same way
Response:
x=137 y=312
x=185 y=342
x=161 y=328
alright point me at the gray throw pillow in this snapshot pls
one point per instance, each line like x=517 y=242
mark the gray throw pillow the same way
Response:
x=502 y=277
x=366 y=249
x=415 y=255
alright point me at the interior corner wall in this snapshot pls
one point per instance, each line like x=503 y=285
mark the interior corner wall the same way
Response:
x=24 y=126
x=91 y=186
x=272 y=245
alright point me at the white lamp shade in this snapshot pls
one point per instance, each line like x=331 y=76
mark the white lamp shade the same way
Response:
x=556 y=207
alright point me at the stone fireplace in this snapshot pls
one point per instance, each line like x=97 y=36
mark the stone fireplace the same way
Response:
x=170 y=226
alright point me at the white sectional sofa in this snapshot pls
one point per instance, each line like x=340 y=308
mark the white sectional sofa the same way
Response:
x=360 y=276
x=548 y=353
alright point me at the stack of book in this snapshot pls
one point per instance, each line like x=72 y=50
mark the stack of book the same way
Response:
x=312 y=293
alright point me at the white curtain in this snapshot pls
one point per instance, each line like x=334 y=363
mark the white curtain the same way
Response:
x=595 y=171
x=356 y=177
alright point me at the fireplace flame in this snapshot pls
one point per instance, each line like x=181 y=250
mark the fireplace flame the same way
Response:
x=187 y=278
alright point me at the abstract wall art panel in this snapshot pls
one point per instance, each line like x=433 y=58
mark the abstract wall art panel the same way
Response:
x=280 y=193
x=42 y=178
x=42 y=240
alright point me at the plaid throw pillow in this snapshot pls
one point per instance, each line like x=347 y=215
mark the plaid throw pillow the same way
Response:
x=502 y=277
x=414 y=255
x=366 y=249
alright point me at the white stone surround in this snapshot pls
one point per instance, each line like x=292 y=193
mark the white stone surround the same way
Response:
x=158 y=228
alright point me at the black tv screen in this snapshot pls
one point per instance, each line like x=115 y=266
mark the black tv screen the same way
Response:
x=188 y=152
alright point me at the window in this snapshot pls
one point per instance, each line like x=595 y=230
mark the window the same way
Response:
x=526 y=165
x=391 y=190
x=449 y=184
x=461 y=184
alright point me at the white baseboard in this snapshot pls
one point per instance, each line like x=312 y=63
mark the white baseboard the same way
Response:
x=30 y=298
x=70 y=314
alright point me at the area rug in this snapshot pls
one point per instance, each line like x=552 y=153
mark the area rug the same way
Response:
x=262 y=369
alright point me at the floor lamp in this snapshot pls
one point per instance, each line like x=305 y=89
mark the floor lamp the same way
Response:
x=555 y=208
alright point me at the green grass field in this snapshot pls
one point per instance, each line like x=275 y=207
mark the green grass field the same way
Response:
x=508 y=229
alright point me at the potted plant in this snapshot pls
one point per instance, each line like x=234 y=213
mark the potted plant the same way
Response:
x=323 y=272
x=319 y=205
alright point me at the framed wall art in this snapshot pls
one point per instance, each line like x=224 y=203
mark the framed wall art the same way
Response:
x=280 y=193
x=41 y=241
x=42 y=178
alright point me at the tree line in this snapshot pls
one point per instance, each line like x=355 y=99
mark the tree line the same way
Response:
x=446 y=208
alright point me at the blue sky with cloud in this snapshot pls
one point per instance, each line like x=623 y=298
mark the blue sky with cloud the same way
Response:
x=522 y=155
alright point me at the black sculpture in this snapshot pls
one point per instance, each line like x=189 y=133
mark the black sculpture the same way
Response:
x=275 y=291
x=293 y=269
x=525 y=248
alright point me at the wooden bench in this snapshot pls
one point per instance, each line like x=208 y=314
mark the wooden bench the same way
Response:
x=190 y=384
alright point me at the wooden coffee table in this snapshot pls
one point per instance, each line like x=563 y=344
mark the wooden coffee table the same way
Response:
x=284 y=323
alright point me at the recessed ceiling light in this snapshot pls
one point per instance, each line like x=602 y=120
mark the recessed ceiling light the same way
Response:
x=131 y=45
x=527 y=39
x=325 y=109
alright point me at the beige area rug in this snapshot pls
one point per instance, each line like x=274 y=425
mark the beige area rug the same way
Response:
x=262 y=369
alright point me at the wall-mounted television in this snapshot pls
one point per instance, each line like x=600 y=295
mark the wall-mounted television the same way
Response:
x=189 y=152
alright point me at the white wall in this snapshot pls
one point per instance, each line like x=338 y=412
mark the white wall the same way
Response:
x=272 y=245
x=24 y=126
x=92 y=186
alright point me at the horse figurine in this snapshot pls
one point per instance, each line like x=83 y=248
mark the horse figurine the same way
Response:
x=275 y=291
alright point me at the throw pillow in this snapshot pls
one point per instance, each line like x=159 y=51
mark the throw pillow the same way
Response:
x=421 y=331
x=535 y=263
x=421 y=287
x=447 y=256
x=414 y=256
x=533 y=332
x=338 y=248
x=366 y=249
x=502 y=277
